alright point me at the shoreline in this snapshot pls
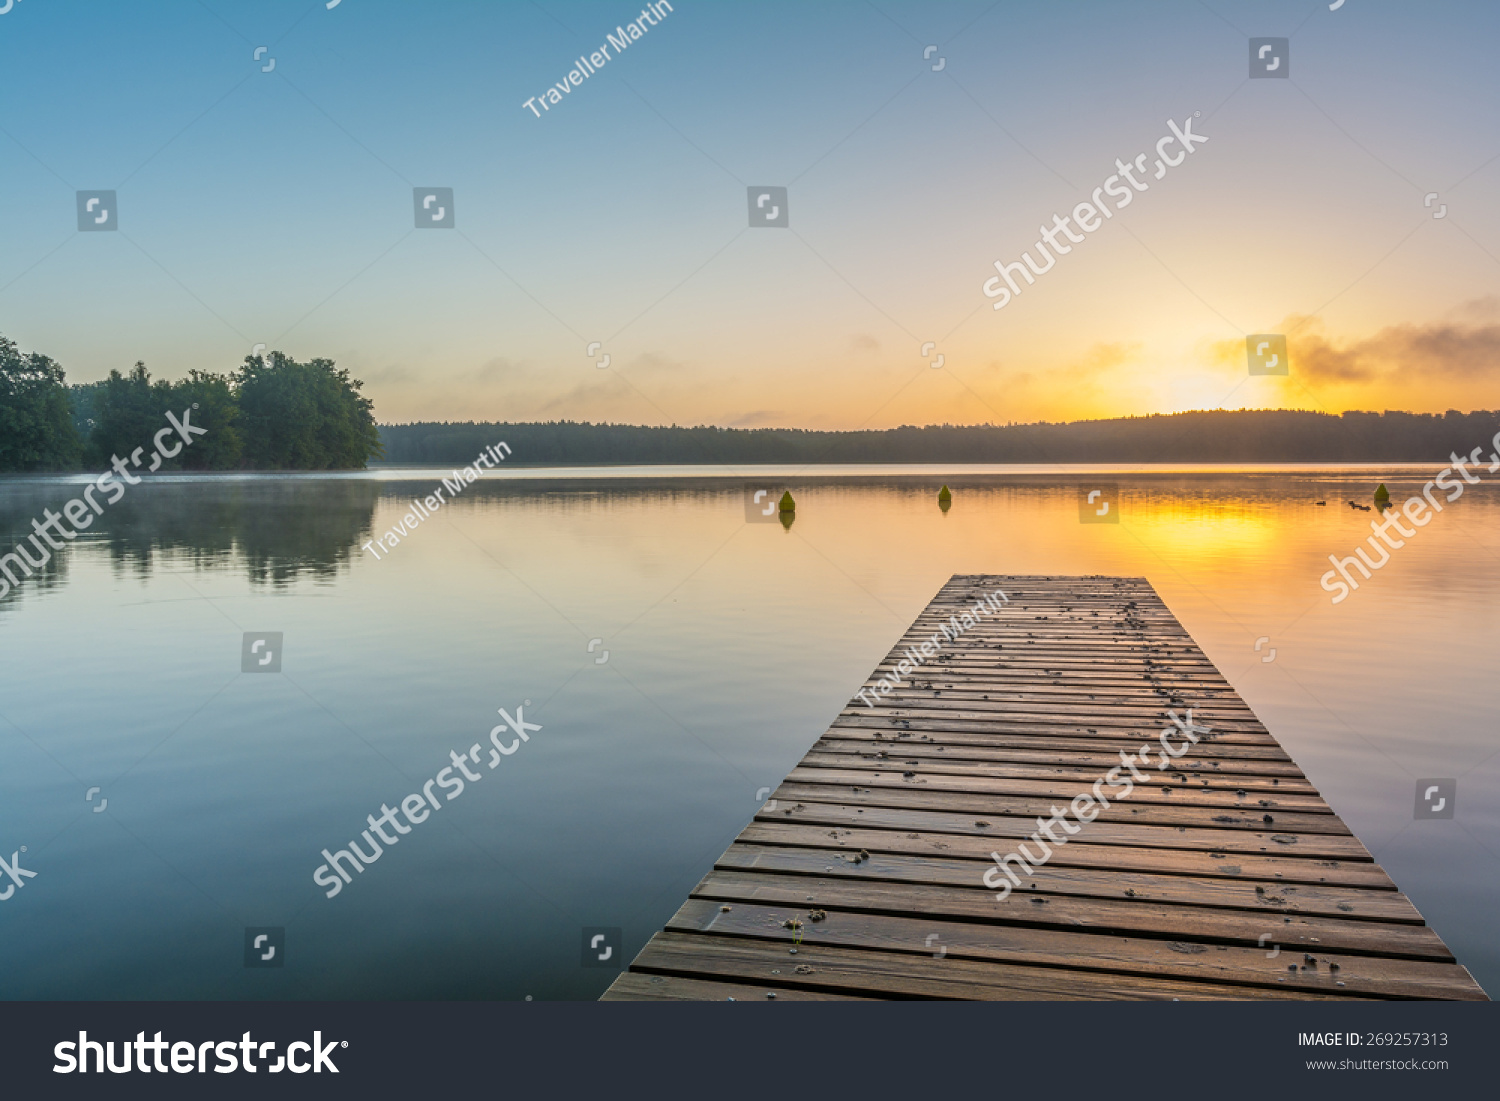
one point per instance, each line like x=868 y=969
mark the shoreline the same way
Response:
x=805 y=472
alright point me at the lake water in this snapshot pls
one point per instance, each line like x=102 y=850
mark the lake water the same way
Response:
x=730 y=647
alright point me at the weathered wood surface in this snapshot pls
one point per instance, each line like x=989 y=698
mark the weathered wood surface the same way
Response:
x=1226 y=876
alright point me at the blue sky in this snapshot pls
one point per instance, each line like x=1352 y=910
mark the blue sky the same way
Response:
x=276 y=207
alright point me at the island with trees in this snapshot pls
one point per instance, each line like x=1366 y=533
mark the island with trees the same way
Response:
x=273 y=413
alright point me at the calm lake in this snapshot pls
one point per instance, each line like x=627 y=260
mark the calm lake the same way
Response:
x=724 y=649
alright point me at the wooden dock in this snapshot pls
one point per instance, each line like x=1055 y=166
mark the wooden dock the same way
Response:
x=1227 y=876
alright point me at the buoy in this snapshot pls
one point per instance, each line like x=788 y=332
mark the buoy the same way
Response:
x=787 y=504
x=945 y=494
x=1382 y=495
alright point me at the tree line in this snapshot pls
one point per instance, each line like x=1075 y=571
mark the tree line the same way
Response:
x=1243 y=436
x=272 y=414
x=275 y=413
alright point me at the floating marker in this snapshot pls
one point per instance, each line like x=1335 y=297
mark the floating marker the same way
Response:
x=945 y=494
x=787 y=504
x=1382 y=496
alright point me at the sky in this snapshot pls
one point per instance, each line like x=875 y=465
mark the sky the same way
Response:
x=273 y=204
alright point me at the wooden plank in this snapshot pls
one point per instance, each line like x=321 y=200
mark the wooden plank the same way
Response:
x=1103 y=830
x=789 y=796
x=893 y=722
x=1074 y=764
x=997 y=741
x=1079 y=777
x=1265 y=896
x=1225 y=875
x=1159 y=788
x=1121 y=917
x=1081 y=854
x=826 y=970
x=655 y=986
x=1278 y=964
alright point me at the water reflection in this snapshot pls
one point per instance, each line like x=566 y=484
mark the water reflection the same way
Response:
x=730 y=648
x=277 y=529
x=274 y=529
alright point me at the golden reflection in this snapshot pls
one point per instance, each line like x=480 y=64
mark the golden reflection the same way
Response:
x=1208 y=527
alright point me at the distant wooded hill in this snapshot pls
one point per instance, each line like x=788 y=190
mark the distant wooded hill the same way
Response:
x=1246 y=435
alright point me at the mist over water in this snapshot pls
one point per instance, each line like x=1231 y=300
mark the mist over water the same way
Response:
x=731 y=646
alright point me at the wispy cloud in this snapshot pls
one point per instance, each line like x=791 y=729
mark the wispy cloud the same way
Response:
x=1405 y=354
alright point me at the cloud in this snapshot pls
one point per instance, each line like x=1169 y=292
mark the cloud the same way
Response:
x=592 y=398
x=1406 y=353
x=1098 y=360
x=390 y=374
x=1486 y=308
x=758 y=418
x=655 y=363
x=499 y=370
x=1103 y=357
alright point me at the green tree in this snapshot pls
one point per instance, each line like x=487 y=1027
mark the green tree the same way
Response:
x=128 y=411
x=304 y=416
x=84 y=398
x=36 y=419
x=212 y=401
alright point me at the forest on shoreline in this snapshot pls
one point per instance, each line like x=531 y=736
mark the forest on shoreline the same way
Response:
x=1229 y=436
